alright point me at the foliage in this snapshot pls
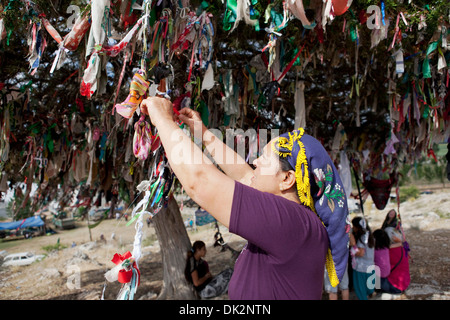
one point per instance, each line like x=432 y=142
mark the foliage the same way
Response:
x=424 y=170
x=54 y=247
x=17 y=210
x=411 y=192
x=81 y=211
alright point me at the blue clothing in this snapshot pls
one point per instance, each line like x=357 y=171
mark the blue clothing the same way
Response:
x=362 y=284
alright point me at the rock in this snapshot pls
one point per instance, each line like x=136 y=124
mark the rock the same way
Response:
x=149 y=296
x=80 y=255
x=421 y=290
x=89 y=295
x=433 y=216
x=389 y=296
x=50 y=273
x=88 y=246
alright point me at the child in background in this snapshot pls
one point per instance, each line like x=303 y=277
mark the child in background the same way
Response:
x=381 y=256
x=363 y=244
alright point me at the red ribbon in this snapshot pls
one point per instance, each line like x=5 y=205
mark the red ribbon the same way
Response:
x=125 y=275
x=431 y=153
x=79 y=103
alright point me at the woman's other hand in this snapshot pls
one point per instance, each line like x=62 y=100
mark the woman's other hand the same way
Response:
x=191 y=118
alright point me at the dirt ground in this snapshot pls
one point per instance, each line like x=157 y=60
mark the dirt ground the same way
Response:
x=77 y=272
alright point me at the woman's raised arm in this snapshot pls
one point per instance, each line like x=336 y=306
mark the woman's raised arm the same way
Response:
x=202 y=180
x=229 y=161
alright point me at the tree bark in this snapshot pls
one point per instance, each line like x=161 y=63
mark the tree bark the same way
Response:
x=174 y=243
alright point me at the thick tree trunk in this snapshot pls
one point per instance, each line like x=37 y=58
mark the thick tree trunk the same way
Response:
x=174 y=243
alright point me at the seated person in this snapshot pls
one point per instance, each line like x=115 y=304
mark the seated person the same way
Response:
x=197 y=273
x=399 y=277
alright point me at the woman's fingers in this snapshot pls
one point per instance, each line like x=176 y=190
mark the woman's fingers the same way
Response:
x=189 y=117
x=189 y=113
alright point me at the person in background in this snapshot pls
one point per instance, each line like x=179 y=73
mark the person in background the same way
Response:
x=399 y=277
x=381 y=256
x=342 y=286
x=391 y=220
x=197 y=273
x=363 y=244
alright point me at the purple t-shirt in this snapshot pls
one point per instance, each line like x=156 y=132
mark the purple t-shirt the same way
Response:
x=285 y=254
x=381 y=259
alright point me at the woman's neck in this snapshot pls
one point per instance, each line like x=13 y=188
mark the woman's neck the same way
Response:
x=290 y=195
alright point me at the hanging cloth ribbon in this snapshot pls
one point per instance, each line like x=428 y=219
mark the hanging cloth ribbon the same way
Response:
x=38 y=45
x=2 y=30
x=138 y=89
x=397 y=33
x=4 y=136
x=142 y=140
x=241 y=10
x=97 y=36
x=50 y=29
x=237 y=10
x=297 y=9
x=271 y=88
x=299 y=98
x=114 y=50
x=426 y=62
x=203 y=28
x=380 y=190
x=119 y=84
x=74 y=37
x=291 y=63
x=91 y=74
x=125 y=272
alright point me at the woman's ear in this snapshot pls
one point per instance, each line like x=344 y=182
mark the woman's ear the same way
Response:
x=288 y=180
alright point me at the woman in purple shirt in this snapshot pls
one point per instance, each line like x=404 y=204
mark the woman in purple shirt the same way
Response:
x=291 y=208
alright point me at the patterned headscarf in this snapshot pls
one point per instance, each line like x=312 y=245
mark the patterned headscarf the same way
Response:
x=319 y=188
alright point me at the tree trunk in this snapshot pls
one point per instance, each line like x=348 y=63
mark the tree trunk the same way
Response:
x=174 y=243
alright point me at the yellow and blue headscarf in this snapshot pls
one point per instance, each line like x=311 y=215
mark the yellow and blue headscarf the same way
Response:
x=319 y=188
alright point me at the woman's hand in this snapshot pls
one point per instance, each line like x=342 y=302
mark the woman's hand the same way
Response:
x=191 y=118
x=157 y=108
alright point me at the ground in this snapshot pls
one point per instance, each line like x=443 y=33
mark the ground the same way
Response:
x=77 y=272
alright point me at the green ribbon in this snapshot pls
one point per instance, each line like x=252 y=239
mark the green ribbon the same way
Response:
x=426 y=63
x=291 y=53
x=230 y=14
x=133 y=219
x=277 y=19
x=152 y=18
x=26 y=86
x=204 y=112
x=48 y=138
x=353 y=35
x=36 y=128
